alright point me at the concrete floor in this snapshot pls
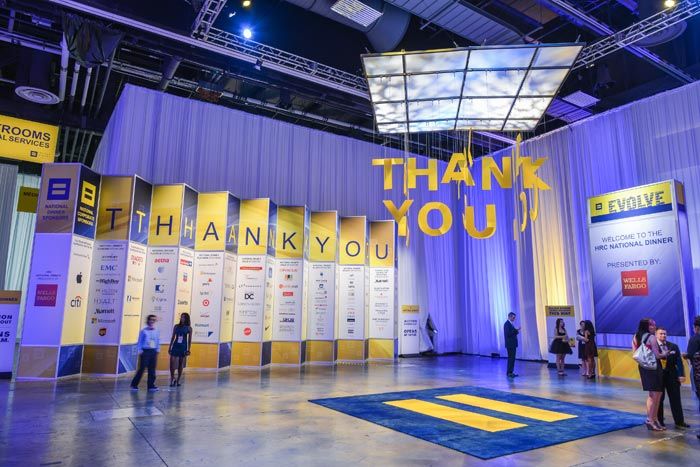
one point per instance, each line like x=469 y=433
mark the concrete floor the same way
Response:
x=248 y=417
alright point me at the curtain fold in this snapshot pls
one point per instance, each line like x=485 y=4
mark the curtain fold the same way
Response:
x=8 y=205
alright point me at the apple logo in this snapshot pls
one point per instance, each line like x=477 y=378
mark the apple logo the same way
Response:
x=79 y=278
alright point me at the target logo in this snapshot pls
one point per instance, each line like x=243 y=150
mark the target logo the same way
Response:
x=247 y=331
x=205 y=302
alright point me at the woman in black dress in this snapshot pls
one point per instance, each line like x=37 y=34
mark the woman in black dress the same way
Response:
x=179 y=349
x=560 y=346
x=652 y=380
x=590 y=349
x=581 y=341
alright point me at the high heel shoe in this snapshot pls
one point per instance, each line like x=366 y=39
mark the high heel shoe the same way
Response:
x=652 y=427
x=172 y=383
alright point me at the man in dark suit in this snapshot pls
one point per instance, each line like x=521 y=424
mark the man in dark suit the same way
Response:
x=511 y=334
x=673 y=376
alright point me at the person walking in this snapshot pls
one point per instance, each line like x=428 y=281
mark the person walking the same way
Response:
x=673 y=377
x=560 y=346
x=148 y=345
x=652 y=378
x=179 y=349
x=511 y=335
x=590 y=349
x=580 y=344
x=693 y=355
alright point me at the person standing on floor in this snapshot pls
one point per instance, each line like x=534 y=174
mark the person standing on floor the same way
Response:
x=693 y=356
x=180 y=345
x=673 y=377
x=560 y=346
x=581 y=342
x=652 y=377
x=511 y=334
x=590 y=349
x=148 y=345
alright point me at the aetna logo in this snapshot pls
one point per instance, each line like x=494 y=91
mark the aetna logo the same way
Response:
x=161 y=260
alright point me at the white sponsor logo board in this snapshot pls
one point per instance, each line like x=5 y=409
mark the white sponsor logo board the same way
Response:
x=229 y=297
x=321 y=302
x=133 y=292
x=250 y=298
x=103 y=323
x=351 y=302
x=288 y=299
x=159 y=287
x=381 y=303
x=207 y=288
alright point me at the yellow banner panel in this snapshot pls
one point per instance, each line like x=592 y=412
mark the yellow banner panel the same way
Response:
x=638 y=201
x=289 y=241
x=323 y=244
x=353 y=240
x=381 y=244
x=253 y=233
x=559 y=311
x=211 y=221
x=114 y=208
x=27 y=141
x=166 y=213
x=28 y=199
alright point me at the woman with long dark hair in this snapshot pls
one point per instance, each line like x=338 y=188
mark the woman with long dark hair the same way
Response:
x=581 y=343
x=590 y=349
x=180 y=345
x=652 y=379
x=560 y=346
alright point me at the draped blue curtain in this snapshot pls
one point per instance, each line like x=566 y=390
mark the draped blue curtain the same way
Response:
x=468 y=286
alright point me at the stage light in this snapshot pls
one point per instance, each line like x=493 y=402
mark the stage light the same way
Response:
x=232 y=14
x=247 y=33
x=247 y=3
x=669 y=3
x=504 y=88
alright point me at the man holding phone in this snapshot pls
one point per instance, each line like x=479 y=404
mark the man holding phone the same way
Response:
x=673 y=377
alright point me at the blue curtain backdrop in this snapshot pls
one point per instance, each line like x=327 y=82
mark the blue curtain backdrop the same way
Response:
x=468 y=286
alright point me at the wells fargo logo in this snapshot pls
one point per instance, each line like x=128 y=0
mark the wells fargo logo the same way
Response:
x=515 y=172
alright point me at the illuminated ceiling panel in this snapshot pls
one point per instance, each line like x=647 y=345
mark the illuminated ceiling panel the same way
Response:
x=503 y=88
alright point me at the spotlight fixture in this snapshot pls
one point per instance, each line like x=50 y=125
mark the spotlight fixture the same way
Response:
x=258 y=64
x=669 y=3
x=247 y=3
x=247 y=33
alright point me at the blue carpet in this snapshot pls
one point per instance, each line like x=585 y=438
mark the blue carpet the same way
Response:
x=589 y=421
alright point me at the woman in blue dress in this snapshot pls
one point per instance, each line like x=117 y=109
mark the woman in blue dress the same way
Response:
x=179 y=349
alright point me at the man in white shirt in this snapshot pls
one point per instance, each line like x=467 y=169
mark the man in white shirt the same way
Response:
x=149 y=345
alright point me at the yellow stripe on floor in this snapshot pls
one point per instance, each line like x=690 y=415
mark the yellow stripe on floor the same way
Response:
x=505 y=407
x=463 y=417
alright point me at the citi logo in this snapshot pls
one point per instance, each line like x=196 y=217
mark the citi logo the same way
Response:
x=76 y=302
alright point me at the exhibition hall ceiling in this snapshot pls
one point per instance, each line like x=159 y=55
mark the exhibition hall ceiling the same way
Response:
x=323 y=41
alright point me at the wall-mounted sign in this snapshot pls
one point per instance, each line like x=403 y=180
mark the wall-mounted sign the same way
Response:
x=27 y=141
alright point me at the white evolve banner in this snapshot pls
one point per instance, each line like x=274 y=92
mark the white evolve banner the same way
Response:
x=103 y=324
x=351 y=302
x=288 y=300
x=207 y=288
x=409 y=330
x=320 y=297
x=250 y=298
x=381 y=303
x=159 y=287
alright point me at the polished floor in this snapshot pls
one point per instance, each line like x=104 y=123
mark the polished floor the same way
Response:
x=246 y=417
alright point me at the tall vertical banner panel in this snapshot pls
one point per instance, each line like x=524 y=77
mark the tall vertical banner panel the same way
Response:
x=213 y=280
x=637 y=258
x=289 y=272
x=117 y=282
x=60 y=271
x=382 y=297
x=320 y=290
x=252 y=322
x=352 y=289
